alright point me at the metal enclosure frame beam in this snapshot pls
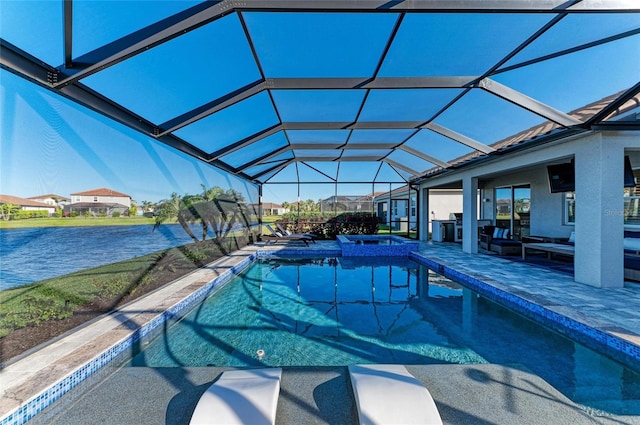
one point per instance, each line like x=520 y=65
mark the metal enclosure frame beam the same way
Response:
x=65 y=79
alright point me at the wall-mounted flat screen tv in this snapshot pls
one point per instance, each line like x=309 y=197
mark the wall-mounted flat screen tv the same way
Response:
x=562 y=177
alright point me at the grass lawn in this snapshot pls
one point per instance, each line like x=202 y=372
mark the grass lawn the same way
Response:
x=75 y=222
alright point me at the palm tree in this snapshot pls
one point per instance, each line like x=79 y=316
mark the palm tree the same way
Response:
x=214 y=209
x=179 y=209
x=7 y=210
x=146 y=206
x=222 y=210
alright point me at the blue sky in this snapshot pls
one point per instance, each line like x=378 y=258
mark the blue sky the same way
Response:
x=50 y=145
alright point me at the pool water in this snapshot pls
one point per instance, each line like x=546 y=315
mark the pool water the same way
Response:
x=375 y=246
x=376 y=242
x=341 y=311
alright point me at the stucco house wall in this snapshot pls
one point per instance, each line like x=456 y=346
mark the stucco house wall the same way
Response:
x=51 y=199
x=103 y=196
x=547 y=209
x=443 y=202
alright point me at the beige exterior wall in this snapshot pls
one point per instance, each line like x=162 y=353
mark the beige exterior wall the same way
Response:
x=126 y=201
x=50 y=210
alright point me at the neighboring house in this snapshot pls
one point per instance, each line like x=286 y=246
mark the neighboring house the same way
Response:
x=396 y=208
x=341 y=203
x=270 y=208
x=100 y=201
x=26 y=204
x=51 y=199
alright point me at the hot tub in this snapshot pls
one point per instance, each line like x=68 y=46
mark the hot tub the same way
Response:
x=375 y=245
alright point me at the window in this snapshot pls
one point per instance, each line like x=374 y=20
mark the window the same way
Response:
x=631 y=210
x=570 y=208
x=95 y=199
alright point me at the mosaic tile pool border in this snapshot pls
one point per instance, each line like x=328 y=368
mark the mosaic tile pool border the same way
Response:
x=623 y=351
x=351 y=248
x=43 y=400
x=299 y=253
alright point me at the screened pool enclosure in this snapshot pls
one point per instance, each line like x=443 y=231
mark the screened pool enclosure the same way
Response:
x=289 y=100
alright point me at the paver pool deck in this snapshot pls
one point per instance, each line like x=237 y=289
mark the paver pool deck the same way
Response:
x=463 y=393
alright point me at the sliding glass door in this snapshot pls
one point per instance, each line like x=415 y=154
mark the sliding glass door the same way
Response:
x=513 y=206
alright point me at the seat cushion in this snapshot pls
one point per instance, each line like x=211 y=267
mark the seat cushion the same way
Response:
x=632 y=262
x=505 y=242
x=240 y=397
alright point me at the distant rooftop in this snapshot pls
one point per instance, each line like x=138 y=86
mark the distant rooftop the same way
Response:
x=103 y=191
x=23 y=202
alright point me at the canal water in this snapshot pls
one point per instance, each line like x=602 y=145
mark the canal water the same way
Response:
x=30 y=255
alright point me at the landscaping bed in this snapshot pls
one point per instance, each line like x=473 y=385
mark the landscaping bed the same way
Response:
x=34 y=314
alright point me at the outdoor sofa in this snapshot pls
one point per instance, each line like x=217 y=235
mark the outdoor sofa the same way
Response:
x=631 y=254
x=499 y=240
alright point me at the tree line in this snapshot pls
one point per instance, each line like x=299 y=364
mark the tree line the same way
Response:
x=215 y=209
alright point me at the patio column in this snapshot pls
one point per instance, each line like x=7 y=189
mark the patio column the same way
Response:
x=599 y=228
x=424 y=215
x=470 y=214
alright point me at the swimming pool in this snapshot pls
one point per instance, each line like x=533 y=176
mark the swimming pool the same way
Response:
x=340 y=311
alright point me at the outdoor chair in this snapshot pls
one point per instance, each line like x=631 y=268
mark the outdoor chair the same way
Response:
x=389 y=394
x=498 y=240
x=284 y=231
x=240 y=397
x=276 y=236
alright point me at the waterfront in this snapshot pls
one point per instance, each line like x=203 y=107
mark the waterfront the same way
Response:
x=32 y=254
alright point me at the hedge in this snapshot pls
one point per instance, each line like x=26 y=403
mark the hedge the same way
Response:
x=24 y=214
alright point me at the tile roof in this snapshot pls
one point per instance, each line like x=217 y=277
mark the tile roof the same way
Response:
x=8 y=199
x=546 y=128
x=271 y=205
x=103 y=191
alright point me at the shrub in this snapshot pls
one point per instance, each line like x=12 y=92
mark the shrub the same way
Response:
x=195 y=255
x=25 y=214
x=147 y=278
x=113 y=287
x=43 y=309
x=306 y=215
x=349 y=224
x=115 y=214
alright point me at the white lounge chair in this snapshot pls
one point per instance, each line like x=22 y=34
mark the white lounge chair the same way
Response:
x=240 y=397
x=389 y=394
